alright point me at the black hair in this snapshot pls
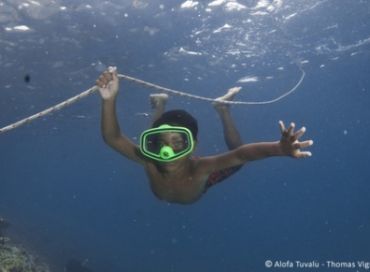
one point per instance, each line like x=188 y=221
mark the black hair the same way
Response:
x=178 y=118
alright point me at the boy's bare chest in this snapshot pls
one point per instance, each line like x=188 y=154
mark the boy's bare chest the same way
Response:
x=183 y=188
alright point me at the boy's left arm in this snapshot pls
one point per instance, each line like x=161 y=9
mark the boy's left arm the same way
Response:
x=289 y=145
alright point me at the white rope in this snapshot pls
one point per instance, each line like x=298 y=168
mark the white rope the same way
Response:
x=49 y=110
x=163 y=89
x=149 y=85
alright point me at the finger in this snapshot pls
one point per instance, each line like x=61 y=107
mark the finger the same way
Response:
x=298 y=145
x=114 y=75
x=291 y=129
x=108 y=76
x=104 y=79
x=298 y=134
x=282 y=127
x=102 y=76
x=112 y=69
x=304 y=154
x=100 y=82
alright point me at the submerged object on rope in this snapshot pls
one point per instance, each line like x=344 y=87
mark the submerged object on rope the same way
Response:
x=148 y=85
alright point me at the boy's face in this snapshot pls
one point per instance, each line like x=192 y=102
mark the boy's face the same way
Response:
x=167 y=143
x=174 y=140
x=178 y=143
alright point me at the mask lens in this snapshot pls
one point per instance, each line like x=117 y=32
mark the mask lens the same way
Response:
x=152 y=143
x=178 y=141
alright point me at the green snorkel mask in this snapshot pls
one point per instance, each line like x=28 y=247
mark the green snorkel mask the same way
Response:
x=166 y=143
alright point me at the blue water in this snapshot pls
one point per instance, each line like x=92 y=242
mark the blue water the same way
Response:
x=68 y=195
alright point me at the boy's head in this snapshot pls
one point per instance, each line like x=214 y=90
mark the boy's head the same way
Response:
x=179 y=118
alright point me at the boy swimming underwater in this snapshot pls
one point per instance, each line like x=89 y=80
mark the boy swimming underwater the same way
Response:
x=165 y=150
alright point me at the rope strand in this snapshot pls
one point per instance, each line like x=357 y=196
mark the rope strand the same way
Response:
x=93 y=89
x=175 y=92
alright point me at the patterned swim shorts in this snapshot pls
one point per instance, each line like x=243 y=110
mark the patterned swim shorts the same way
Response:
x=218 y=176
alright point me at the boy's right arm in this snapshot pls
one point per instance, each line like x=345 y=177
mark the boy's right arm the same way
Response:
x=108 y=84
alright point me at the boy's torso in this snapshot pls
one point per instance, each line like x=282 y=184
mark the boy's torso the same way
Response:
x=182 y=185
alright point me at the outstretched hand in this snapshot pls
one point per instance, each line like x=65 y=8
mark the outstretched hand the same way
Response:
x=290 y=144
x=108 y=83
